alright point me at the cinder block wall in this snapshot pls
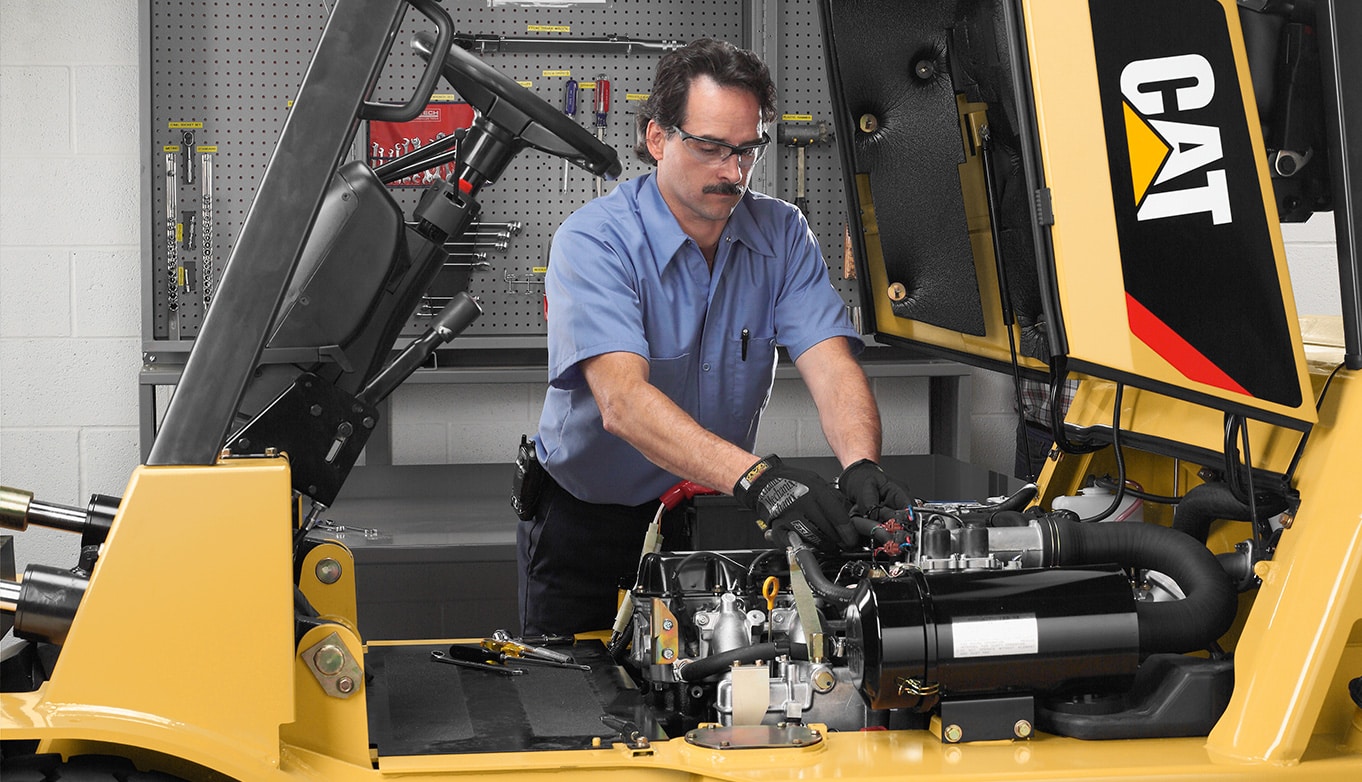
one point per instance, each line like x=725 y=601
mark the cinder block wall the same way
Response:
x=69 y=255
x=462 y=423
x=70 y=329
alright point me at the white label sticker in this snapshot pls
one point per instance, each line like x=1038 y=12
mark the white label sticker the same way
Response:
x=995 y=636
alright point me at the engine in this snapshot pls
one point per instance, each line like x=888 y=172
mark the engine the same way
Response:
x=994 y=620
x=719 y=632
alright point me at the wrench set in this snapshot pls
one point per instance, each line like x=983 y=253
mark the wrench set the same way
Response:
x=189 y=231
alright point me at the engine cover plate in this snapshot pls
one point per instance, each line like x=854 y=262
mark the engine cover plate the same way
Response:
x=753 y=736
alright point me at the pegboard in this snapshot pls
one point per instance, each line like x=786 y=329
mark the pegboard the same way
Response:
x=806 y=100
x=229 y=70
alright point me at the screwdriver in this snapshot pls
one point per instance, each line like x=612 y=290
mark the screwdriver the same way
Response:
x=570 y=109
x=602 y=112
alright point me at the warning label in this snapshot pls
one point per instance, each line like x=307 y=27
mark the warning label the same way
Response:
x=995 y=636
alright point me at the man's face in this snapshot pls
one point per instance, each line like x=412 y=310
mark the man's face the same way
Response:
x=698 y=191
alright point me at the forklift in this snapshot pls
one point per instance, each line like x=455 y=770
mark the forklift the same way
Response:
x=1054 y=189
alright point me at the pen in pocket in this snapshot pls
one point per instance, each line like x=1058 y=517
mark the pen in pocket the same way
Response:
x=746 y=335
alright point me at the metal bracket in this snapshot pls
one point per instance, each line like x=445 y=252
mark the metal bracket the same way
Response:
x=335 y=668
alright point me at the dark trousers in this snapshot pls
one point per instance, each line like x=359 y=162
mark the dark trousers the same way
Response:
x=574 y=556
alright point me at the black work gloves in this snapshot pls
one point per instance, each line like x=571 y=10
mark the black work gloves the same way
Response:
x=797 y=500
x=874 y=494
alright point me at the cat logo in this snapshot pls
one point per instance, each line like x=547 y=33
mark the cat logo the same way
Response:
x=1172 y=162
x=1190 y=201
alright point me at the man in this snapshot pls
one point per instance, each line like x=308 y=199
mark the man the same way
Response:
x=665 y=303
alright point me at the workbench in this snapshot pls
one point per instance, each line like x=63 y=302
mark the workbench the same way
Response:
x=949 y=385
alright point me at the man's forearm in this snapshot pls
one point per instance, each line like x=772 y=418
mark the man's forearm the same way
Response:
x=846 y=406
x=851 y=423
x=641 y=415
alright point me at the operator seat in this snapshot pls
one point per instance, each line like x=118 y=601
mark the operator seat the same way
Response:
x=350 y=295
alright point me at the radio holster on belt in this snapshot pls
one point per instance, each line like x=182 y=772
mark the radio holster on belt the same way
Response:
x=530 y=480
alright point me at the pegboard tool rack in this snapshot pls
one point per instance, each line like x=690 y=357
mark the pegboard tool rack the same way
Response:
x=227 y=71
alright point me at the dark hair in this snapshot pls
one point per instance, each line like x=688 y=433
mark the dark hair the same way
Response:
x=728 y=65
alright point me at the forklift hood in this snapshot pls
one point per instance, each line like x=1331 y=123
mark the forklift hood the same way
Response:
x=1075 y=184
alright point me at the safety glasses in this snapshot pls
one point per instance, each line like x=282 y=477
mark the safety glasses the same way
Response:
x=714 y=152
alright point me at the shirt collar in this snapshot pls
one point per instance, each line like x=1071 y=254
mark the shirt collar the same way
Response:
x=662 y=232
x=743 y=227
x=665 y=236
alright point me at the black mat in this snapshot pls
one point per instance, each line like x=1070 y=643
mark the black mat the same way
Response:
x=421 y=707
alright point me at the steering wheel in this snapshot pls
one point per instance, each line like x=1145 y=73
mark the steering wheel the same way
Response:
x=527 y=117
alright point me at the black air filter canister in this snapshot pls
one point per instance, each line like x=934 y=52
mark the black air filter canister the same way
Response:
x=916 y=639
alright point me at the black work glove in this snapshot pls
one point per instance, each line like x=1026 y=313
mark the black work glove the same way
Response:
x=797 y=500
x=873 y=493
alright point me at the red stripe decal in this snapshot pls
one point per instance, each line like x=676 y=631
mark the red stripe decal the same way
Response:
x=1175 y=350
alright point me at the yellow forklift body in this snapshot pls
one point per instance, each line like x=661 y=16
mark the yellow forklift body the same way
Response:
x=229 y=690
x=185 y=635
x=189 y=653
x=1132 y=282
x=1093 y=246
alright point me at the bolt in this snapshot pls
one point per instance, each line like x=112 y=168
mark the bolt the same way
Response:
x=368 y=422
x=701 y=619
x=329 y=659
x=1022 y=729
x=315 y=410
x=897 y=292
x=328 y=571
x=824 y=680
x=952 y=733
x=345 y=429
x=345 y=685
x=869 y=123
x=668 y=654
x=271 y=452
x=667 y=624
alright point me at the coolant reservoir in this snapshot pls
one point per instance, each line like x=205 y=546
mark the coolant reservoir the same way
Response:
x=1093 y=500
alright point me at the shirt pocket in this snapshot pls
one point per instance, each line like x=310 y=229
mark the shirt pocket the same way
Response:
x=675 y=377
x=749 y=368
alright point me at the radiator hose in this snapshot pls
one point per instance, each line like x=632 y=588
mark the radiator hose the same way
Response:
x=1208 y=502
x=718 y=663
x=1174 y=626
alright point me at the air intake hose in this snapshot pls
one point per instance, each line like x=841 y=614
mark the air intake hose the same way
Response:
x=1176 y=626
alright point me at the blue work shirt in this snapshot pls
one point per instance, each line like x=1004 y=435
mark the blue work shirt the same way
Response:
x=623 y=276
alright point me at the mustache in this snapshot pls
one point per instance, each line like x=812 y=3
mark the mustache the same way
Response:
x=725 y=188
